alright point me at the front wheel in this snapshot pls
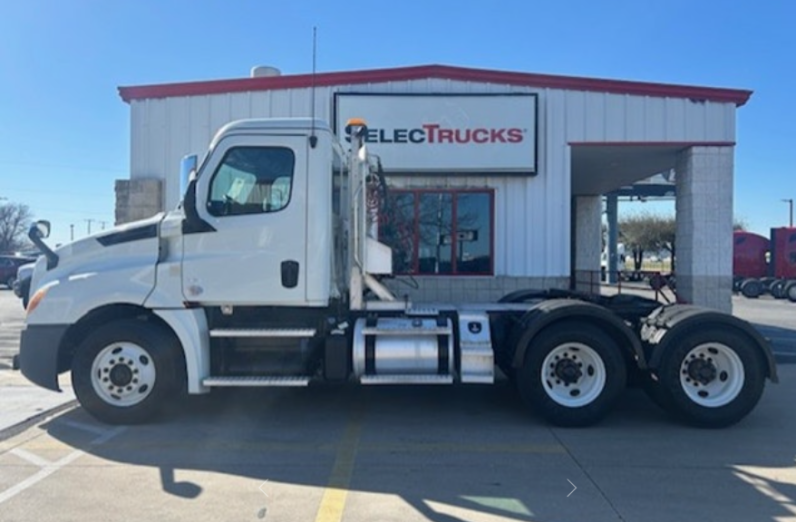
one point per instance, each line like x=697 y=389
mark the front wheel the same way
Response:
x=712 y=378
x=572 y=374
x=124 y=371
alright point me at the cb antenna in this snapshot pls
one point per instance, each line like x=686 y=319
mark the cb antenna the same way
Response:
x=313 y=137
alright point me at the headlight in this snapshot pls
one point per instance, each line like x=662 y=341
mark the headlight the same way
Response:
x=36 y=299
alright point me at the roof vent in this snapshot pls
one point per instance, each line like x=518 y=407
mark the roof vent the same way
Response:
x=265 y=71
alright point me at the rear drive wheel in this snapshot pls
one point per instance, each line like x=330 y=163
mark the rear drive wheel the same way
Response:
x=124 y=371
x=751 y=288
x=777 y=289
x=790 y=291
x=572 y=374
x=712 y=378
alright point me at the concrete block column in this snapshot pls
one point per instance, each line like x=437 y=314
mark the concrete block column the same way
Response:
x=138 y=199
x=704 y=178
x=588 y=242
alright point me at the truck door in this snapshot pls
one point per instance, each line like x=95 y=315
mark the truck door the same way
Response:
x=254 y=196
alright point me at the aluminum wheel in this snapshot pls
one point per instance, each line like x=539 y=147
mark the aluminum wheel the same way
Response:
x=712 y=375
x=573 y=374
x=123 y=374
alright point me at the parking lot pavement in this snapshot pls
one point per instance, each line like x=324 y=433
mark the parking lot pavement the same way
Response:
x=19 y=399
x=11 y=318
x=775 y=319
x=365 y=454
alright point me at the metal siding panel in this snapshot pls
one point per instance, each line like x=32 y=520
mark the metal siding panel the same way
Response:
x=219 y=111
x=280 y=104
x=138 y=121
x=635 y=118
x=156 y=138
x=615 y=110
x=695 y=121
x=576 y=115
x=261 y=104
x=555 y=232
x=240 y=106
x=594 y=116
x=300 y=103
x=729 y=121
x=655 y=124
x=675 y=119
x=719 y=121
x=178 y=146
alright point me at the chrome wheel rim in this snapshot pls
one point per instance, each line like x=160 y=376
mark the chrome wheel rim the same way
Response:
x=123 y=374
x=573 y=375
x=712 y=375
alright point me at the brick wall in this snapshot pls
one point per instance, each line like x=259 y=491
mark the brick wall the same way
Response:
x=704 y=226
x=138 y=199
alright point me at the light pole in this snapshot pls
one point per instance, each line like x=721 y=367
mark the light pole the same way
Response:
x=790 y=209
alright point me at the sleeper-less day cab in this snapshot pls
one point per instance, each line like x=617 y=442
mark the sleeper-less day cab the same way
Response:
x=270 y=273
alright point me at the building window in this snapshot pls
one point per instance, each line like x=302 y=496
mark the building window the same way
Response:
x=439 y=232
x=252 y=180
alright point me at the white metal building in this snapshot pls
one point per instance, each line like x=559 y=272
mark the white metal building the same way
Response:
x=499 y=174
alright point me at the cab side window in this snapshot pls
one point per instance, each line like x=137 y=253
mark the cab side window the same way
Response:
x=252 y=180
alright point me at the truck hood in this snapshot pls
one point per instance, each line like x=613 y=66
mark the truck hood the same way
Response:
x=135 y=242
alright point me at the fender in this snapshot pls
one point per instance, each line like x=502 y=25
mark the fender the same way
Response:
x=70 y=298
x=190 y=327
x=680 y=319
x=549 y=312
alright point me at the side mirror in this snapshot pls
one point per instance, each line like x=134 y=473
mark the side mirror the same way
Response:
x=187 y=172
x=38 y=231
x=42 y=228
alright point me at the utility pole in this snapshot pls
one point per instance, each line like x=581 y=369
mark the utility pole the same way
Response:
x=72 y=232
x=88 y=222
x=790 y=205
x=102 y=223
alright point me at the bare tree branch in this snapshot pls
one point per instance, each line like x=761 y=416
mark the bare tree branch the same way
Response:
x=15 y=219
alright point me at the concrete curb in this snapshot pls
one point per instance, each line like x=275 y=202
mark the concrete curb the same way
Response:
x=7 y=433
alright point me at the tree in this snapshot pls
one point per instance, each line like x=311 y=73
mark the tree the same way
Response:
x=648 y=232
x=15 y=219
x=640 y=233
x=740 y=225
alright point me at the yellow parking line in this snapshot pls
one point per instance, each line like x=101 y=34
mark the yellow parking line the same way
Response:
x=336 y=492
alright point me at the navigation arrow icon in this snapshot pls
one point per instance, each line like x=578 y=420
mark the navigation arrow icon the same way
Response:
x=573 y=485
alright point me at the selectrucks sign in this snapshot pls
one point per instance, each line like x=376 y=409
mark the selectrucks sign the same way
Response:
x=450 y=134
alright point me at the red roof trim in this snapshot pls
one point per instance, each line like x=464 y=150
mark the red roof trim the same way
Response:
x=652 y=143
x=736 y=96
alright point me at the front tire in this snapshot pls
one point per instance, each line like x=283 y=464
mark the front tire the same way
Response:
x=125 y=371
x=712 y=378
x=572 y=374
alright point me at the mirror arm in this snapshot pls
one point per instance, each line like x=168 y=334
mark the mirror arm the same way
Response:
x=35 y=236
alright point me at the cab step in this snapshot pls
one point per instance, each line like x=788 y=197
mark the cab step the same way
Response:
x=406 y=379
x=246 y=381
x=264 y=332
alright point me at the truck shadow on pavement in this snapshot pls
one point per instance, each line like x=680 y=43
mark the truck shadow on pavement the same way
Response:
x=449 y=454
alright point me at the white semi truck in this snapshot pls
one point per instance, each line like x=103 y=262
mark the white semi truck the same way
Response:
x=270 y=273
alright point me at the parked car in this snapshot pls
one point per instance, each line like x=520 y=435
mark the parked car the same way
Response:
x=9 y=266
x=22 y=284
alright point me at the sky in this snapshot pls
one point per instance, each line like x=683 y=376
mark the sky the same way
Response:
x=64 y=131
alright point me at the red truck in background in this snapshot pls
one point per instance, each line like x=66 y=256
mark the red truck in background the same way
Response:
x=762 y=265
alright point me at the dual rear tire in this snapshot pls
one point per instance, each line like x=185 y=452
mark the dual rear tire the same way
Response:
x=572 y=375
x=709 y=379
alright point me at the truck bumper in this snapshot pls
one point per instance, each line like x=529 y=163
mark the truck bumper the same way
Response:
x=38 y=353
